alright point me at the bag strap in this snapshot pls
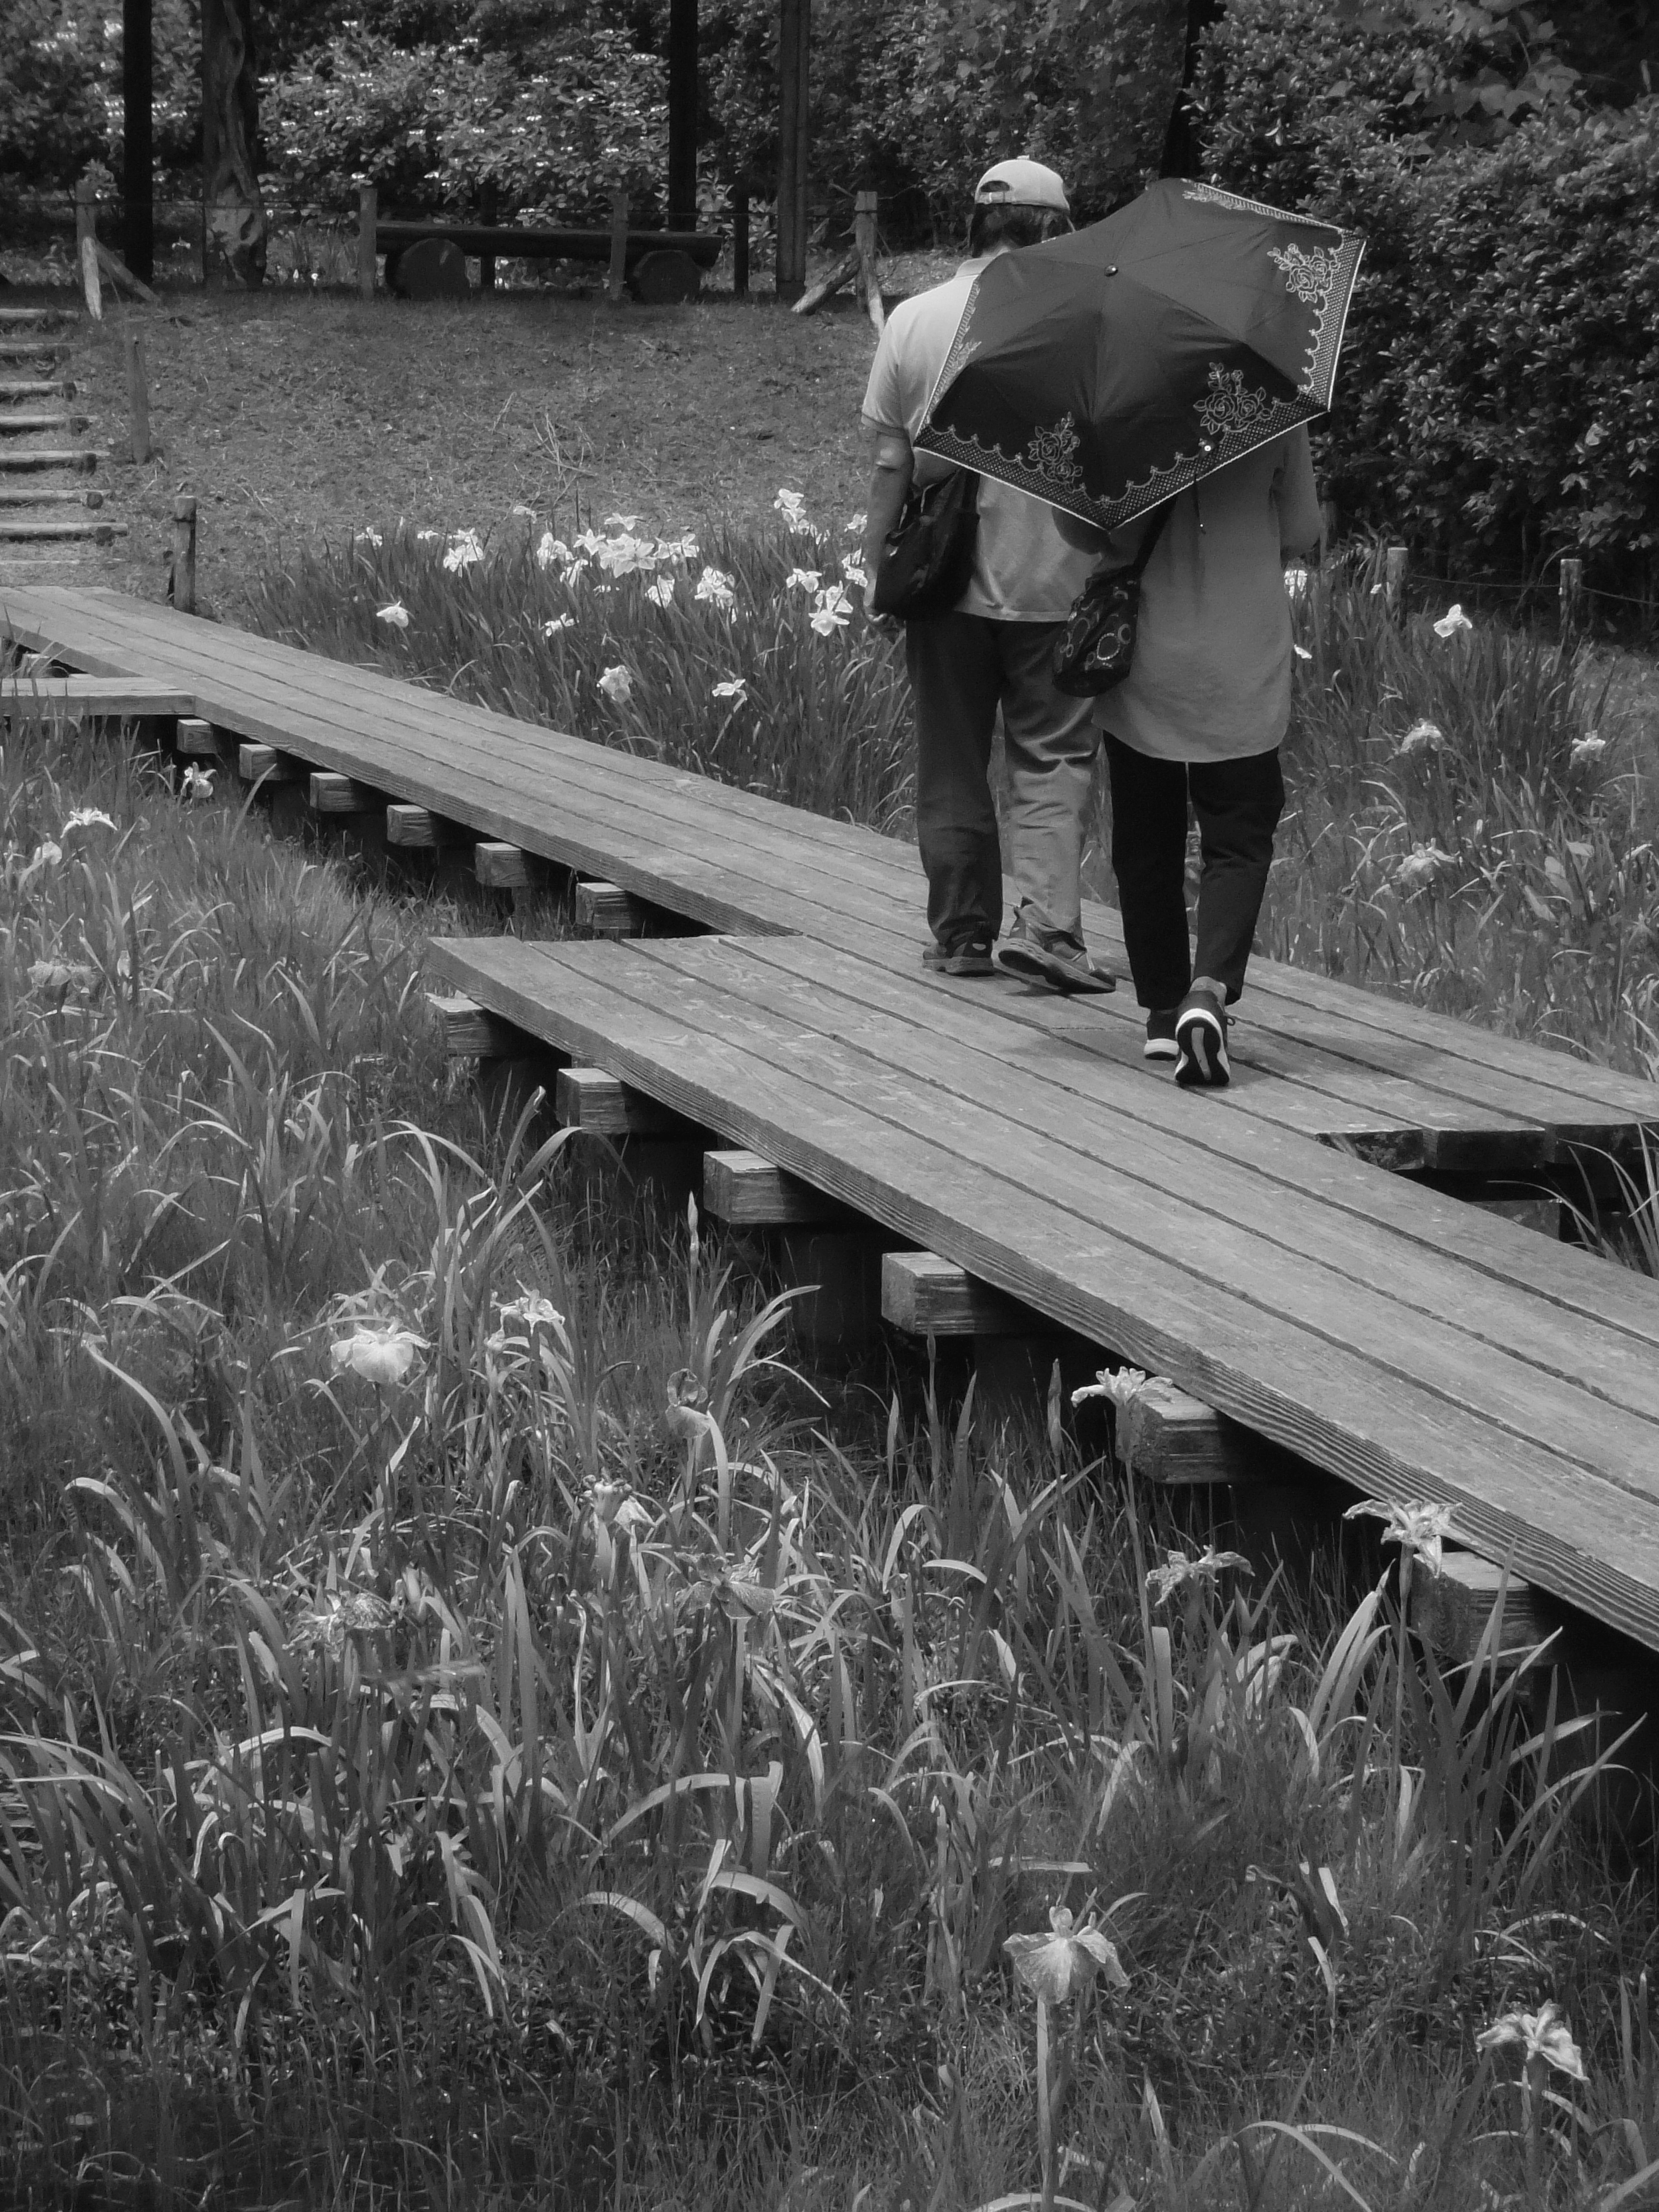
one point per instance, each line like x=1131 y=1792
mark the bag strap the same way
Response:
x=1138 y=565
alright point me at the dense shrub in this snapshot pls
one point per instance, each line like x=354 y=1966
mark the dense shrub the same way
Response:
x=60 y=89
x=1500 y=393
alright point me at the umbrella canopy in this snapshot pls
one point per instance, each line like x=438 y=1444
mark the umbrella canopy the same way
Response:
x=1107 y=370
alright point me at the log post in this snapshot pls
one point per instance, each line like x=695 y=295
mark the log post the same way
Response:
x=864 y=238
x=1394 y=561
x=86 y=245
x=613 y=286
x=368 y=216
x=740 y=242
x=137 y=167
x=794 y=133
x=137 y=396
x=1572 y=586
x=182 y=588
x=1329 y=518
x=233 y=212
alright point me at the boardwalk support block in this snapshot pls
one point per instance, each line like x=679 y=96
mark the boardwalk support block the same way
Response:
x=470 y=1033
x=502 y=867
x=1452 y=1608
x=197 y=739
x=330 y=793
x=1169 y=1437
x=257 y=764
x=608 y=910
x=417 y=829
x=588 y=1098
x=926 y=1296
x=746 y=1191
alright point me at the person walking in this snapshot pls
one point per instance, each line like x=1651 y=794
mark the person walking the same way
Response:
x=993 y=648
x=1199 y=720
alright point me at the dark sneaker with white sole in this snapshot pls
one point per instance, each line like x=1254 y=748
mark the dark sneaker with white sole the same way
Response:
x=1061 y=963
x=1161 y=1034
x=1201 y=1028
x=970 y=957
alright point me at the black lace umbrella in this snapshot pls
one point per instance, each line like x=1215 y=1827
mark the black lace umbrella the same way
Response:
x=1108 y=369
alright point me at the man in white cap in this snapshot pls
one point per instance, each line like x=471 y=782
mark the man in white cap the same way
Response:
x=992 y=649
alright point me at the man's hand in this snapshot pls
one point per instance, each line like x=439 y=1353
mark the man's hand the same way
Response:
x=888 y=622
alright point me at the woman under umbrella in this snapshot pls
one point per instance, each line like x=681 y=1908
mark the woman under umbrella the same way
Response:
x=1152 y=378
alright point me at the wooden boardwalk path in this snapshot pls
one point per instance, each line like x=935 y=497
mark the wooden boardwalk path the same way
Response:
x=1244 y=1244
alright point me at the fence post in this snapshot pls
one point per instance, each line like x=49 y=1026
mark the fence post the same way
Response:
x=137 y=396
x=613 y=286
x=182 y=591
x=740 y=243
x=86 y=246
x=1572 y=586
x=1328 y=520
x=1394 y=576
x=368 y=216
x=864 y=237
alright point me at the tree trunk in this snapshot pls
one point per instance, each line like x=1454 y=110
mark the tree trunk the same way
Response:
x=682 y=115
x=234 y=214
x=794 y=137
x=137 y=80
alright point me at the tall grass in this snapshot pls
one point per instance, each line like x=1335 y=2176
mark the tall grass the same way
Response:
x=470 y=1732
x=1460 y=833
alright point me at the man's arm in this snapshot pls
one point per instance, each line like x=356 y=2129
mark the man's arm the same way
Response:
x=890 y=487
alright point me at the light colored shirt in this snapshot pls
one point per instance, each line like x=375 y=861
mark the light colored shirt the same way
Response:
x=1023 y=570
x=1211 y=677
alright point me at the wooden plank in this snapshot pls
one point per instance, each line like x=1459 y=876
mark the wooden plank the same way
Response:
x=825 y=847
x=926 y=1296
x=588 y=1098
x=50 y=495
x=32 y=530
x=1146 y=1160
x=746 y=1191
x=1587 y=1533
x=329 y=794
x=503 y=867
x=258 y=763
x=608 y=910
x=93 y=697
x=1166 y=1436
x=470 y=1033
x=37 y=388
x=1092 y=1074
x=22 y=349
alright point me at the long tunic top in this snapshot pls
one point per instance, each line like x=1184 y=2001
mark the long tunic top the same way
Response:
x=1211 y=677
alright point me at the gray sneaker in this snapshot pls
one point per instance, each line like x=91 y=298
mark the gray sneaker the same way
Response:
x=971 y=956
x=1062 y=963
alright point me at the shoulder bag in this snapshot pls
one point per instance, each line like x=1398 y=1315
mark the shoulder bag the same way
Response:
x=928 y=555
x=1094 y=651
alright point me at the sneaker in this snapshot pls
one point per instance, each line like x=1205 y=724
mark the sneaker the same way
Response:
x=1161 y=1034
x=1201 y=1028
x=970 y=955
x=1062 y=963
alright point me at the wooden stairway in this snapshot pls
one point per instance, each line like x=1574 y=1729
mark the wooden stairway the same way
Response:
x=52 y=510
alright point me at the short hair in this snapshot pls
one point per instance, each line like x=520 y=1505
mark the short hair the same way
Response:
x=1011 y=225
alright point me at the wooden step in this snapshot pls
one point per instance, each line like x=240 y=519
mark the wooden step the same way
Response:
x=21 y=530
x=49 y=495
x=18 y=349
x=13 y=423
x=588 y=1098
x=39 y=388
x=77 y=458
x=23 y=319
x=746 y=1191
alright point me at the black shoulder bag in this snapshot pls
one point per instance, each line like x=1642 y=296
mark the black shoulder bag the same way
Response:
x=928 y=555
x=1092 y=654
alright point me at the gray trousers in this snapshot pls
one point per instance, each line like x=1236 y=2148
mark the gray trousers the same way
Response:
x=961 y=668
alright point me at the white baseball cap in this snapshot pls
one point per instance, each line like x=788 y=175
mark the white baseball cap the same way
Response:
x=1020 y=183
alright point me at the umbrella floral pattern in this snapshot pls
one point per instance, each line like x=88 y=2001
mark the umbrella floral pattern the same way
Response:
x=1107 y=370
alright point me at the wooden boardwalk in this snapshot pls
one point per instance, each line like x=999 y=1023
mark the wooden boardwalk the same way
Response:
x=1244 y=1244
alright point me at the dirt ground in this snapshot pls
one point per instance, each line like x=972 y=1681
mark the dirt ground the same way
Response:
x=293 y=416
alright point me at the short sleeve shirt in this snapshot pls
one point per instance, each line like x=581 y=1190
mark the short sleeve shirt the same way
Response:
x=1023 y=570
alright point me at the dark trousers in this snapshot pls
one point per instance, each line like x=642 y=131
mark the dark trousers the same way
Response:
x=1237 y=804
x=961 y=668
